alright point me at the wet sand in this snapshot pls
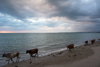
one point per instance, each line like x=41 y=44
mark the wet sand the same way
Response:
x=81 y=56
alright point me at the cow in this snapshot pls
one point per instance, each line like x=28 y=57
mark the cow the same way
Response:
x=70 y=46
x=99 y=39
x=86 y=43
x=10 y=56
x=92 y=41
x=32 y=51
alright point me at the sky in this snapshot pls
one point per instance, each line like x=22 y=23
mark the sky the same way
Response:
x=49 y=16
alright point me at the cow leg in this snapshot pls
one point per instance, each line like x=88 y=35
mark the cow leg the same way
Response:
x=73 y=49
x=67 y=48
x=17 y=60
x=17 y=57
x=12 y=60
x=70 y=50
x=34 y=56
x=37 y=54
x=8 y=61
x=31 y=56
x=87 y=44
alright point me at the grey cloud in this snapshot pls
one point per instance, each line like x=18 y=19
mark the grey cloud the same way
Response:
x=76 y=8
x=93 y=28
x=15 y=9
x=87 y=27
x=7 y=7
x=72 y=9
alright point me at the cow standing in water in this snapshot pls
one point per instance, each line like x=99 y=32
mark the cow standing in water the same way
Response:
x=92 y=41
x=70 y=46
x=32 y=51
x=10 y=56
x=86 y=43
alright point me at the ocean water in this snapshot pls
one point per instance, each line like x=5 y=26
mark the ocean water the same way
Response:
x=45 y=42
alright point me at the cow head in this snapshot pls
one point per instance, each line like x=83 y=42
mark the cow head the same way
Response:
x=67 y=46
x=4 y=55
x=27 y=51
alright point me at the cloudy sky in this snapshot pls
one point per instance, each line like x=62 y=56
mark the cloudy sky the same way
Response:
x=43 y=16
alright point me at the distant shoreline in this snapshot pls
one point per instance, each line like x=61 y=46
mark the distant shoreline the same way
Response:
x=51 y=32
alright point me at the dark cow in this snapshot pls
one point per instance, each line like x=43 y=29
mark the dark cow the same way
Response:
x=92 y=41
x=86 y=43
x=32 y=51
x=99 y=39
x=70 y=46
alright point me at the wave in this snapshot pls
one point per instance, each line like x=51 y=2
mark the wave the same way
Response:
x=48 y=53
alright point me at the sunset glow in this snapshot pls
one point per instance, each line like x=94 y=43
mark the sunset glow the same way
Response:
x=6 y=32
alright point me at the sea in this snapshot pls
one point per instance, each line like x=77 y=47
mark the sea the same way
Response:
x=46 y=42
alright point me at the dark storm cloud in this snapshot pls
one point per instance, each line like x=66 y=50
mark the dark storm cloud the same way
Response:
x=74 y=9
x=85 y=11
x=66 y=10
x=14 y=9
x=7 y=7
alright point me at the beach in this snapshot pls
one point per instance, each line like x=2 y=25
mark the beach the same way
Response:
x=84 y=56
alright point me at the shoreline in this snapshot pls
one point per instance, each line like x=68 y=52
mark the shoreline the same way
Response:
x=41 y=55
x=57 y=58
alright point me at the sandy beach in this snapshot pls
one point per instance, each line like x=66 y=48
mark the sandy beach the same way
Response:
x=81 y=56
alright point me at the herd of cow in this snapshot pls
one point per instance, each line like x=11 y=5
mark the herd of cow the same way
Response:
x=10 y=56
x=92 y=41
